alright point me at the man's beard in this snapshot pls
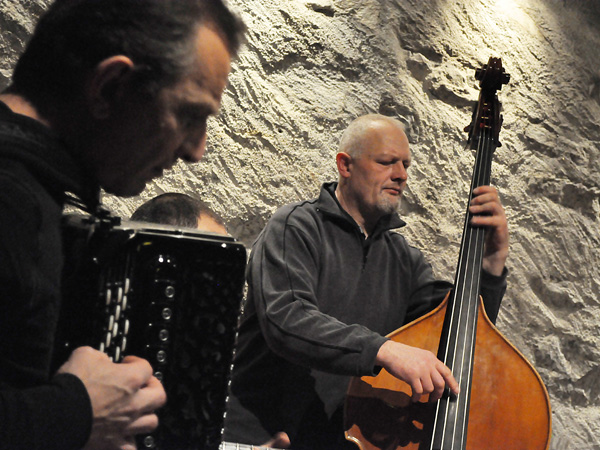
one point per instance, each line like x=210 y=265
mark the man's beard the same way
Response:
x=388 y=205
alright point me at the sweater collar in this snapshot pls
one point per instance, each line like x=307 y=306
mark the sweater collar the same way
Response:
x=45 y=154
x=328 y=203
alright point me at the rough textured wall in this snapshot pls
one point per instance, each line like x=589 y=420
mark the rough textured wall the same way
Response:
x=311 y=66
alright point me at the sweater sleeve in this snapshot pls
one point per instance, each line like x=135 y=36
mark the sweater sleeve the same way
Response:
x=492 y=290
x=57 y=415
x=428 y=292
x=283 y=279
x=35 y=412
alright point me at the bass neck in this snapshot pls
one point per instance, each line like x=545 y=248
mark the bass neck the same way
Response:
x=233 y=446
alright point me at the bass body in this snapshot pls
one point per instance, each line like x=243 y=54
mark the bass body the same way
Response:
x=509 y=405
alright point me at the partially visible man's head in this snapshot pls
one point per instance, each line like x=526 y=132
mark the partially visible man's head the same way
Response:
x=129 y=84
x=372 y=161
x=74 y=36
x=179 y=210
x=353 y=137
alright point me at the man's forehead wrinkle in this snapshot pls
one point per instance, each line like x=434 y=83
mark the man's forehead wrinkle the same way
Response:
x=193 y=96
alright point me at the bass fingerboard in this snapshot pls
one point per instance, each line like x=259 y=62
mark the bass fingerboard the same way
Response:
x=232 y=446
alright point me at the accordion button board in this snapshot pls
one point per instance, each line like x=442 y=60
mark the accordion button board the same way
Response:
x=169 y=295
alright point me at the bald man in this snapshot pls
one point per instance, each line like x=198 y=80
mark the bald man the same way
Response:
x=328 y=279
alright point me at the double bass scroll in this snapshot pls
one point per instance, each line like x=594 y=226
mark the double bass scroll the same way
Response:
x=503 y=403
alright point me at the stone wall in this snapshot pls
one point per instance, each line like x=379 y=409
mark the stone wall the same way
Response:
x=310 y=66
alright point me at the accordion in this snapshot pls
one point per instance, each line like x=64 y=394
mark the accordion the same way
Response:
x=166 y=294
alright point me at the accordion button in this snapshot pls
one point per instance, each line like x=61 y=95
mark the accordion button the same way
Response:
x=149 y=442
x=126 y=327
x=108 y=297
x=124 y=344
x=115 y=330
x=107 y=340
x=159 y=375
x=124 y=305
x=161 y=356
x=127 y=284
x=111 y=322
x=163 y=335
x=169 y=292
x=118 y=312
x=167 y=313
x=119 y=295
x=117 y=354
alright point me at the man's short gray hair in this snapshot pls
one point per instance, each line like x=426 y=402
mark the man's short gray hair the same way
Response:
x=351 y=141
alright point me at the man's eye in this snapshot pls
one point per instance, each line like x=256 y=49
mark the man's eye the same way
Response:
x=191 y=121
x=192 y=117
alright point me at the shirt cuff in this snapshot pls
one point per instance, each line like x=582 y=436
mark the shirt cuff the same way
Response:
x=494 y=281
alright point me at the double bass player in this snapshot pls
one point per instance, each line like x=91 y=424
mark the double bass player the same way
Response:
x=328 y=279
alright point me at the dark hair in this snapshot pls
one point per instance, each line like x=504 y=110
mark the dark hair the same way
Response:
x=174 y=209
x=75 y=35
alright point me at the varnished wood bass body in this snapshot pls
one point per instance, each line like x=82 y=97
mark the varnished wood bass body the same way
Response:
x=509 y=408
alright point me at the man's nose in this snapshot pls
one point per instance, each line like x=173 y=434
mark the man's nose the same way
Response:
x=399 y=172
x=193 y=151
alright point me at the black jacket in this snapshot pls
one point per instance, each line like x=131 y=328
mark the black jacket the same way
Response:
x=37 y=411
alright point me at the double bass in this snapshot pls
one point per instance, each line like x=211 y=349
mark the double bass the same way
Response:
x=503 y=403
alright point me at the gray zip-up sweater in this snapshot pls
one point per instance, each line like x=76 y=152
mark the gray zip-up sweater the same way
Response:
x=321 y=299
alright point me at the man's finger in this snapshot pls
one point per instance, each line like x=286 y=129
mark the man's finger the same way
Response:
x=150 y=397
x=450 y=380
x=440 y=386
x=144 y=424
x=417 y=391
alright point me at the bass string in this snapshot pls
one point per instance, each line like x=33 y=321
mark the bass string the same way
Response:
x=477 y=235
x=468 y=280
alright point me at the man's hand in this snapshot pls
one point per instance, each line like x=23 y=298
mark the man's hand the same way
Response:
x=419 y=368
x=490 y=214
x=124 y=397
x=280 y=440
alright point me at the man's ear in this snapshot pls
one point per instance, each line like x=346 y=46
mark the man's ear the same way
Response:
x=343 y=161
x=107 y=83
